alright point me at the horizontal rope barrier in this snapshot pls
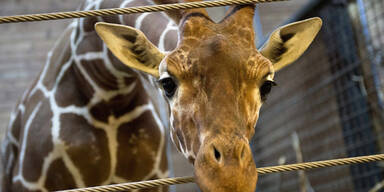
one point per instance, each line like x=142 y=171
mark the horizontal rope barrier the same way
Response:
x=260 y=171
x=170 y=7
x=128 y=10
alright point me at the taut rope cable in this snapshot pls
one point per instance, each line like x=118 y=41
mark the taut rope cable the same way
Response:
x=261 y=171
x=169 y=7
x=128 y=10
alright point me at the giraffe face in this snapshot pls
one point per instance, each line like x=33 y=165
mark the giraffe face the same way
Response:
x=215 y=82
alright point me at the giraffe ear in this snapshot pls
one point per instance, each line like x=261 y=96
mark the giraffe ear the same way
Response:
x=289 y=42
x=131 y=47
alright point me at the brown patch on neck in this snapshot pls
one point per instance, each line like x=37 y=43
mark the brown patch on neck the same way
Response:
x=87 y=147
x=89 y=24
x=16 y=127
x=38 y=149
x=120 y=104
x=171 y=44
x=118 y=65
x=100 y=75
x=153 y=27
x=73 y=88
x=59 y=177
x=8 y=157
x=90 y=42
x=30 y=104
x=138 y=140
x=60 y=55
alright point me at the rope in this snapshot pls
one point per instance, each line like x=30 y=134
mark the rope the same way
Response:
x=169 y=7
x=128 y=10
x=260 y=171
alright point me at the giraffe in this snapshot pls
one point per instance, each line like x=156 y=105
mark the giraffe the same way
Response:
x=91 y=120
x=88 y=119
x=215 y=82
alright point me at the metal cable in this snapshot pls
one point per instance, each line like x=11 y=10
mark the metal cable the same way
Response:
x=128 y=10
x=260 y=171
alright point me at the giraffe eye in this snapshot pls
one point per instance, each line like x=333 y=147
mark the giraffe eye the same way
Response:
x=169 y=86
x=265 y=89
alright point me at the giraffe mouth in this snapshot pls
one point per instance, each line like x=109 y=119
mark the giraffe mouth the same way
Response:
x=224 y=165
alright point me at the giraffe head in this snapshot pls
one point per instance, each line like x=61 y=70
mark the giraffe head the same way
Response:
x=215 y=82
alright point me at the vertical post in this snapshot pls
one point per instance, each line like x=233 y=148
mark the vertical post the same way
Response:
x=305 y=186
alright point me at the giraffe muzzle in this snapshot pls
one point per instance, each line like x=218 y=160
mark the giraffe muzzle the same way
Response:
x=225 y=165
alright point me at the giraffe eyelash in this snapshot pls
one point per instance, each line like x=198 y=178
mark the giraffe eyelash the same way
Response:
x=266 y=88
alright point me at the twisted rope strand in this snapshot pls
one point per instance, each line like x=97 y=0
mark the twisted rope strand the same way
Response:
x=128 y=10
x=135 y=185
x=320 y=164
x=260 y=171
x=168 y=7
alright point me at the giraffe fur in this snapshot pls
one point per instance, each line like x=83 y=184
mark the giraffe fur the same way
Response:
x=92 y=119
x=50 y=93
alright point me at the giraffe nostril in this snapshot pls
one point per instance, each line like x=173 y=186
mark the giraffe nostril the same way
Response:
x=217 y=154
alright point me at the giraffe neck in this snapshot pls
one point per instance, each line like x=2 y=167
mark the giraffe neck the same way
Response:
x=83 y=83
x=99 y=74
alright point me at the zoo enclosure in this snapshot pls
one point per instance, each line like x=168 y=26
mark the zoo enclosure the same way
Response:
x=330 y=102
x=357 y=62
